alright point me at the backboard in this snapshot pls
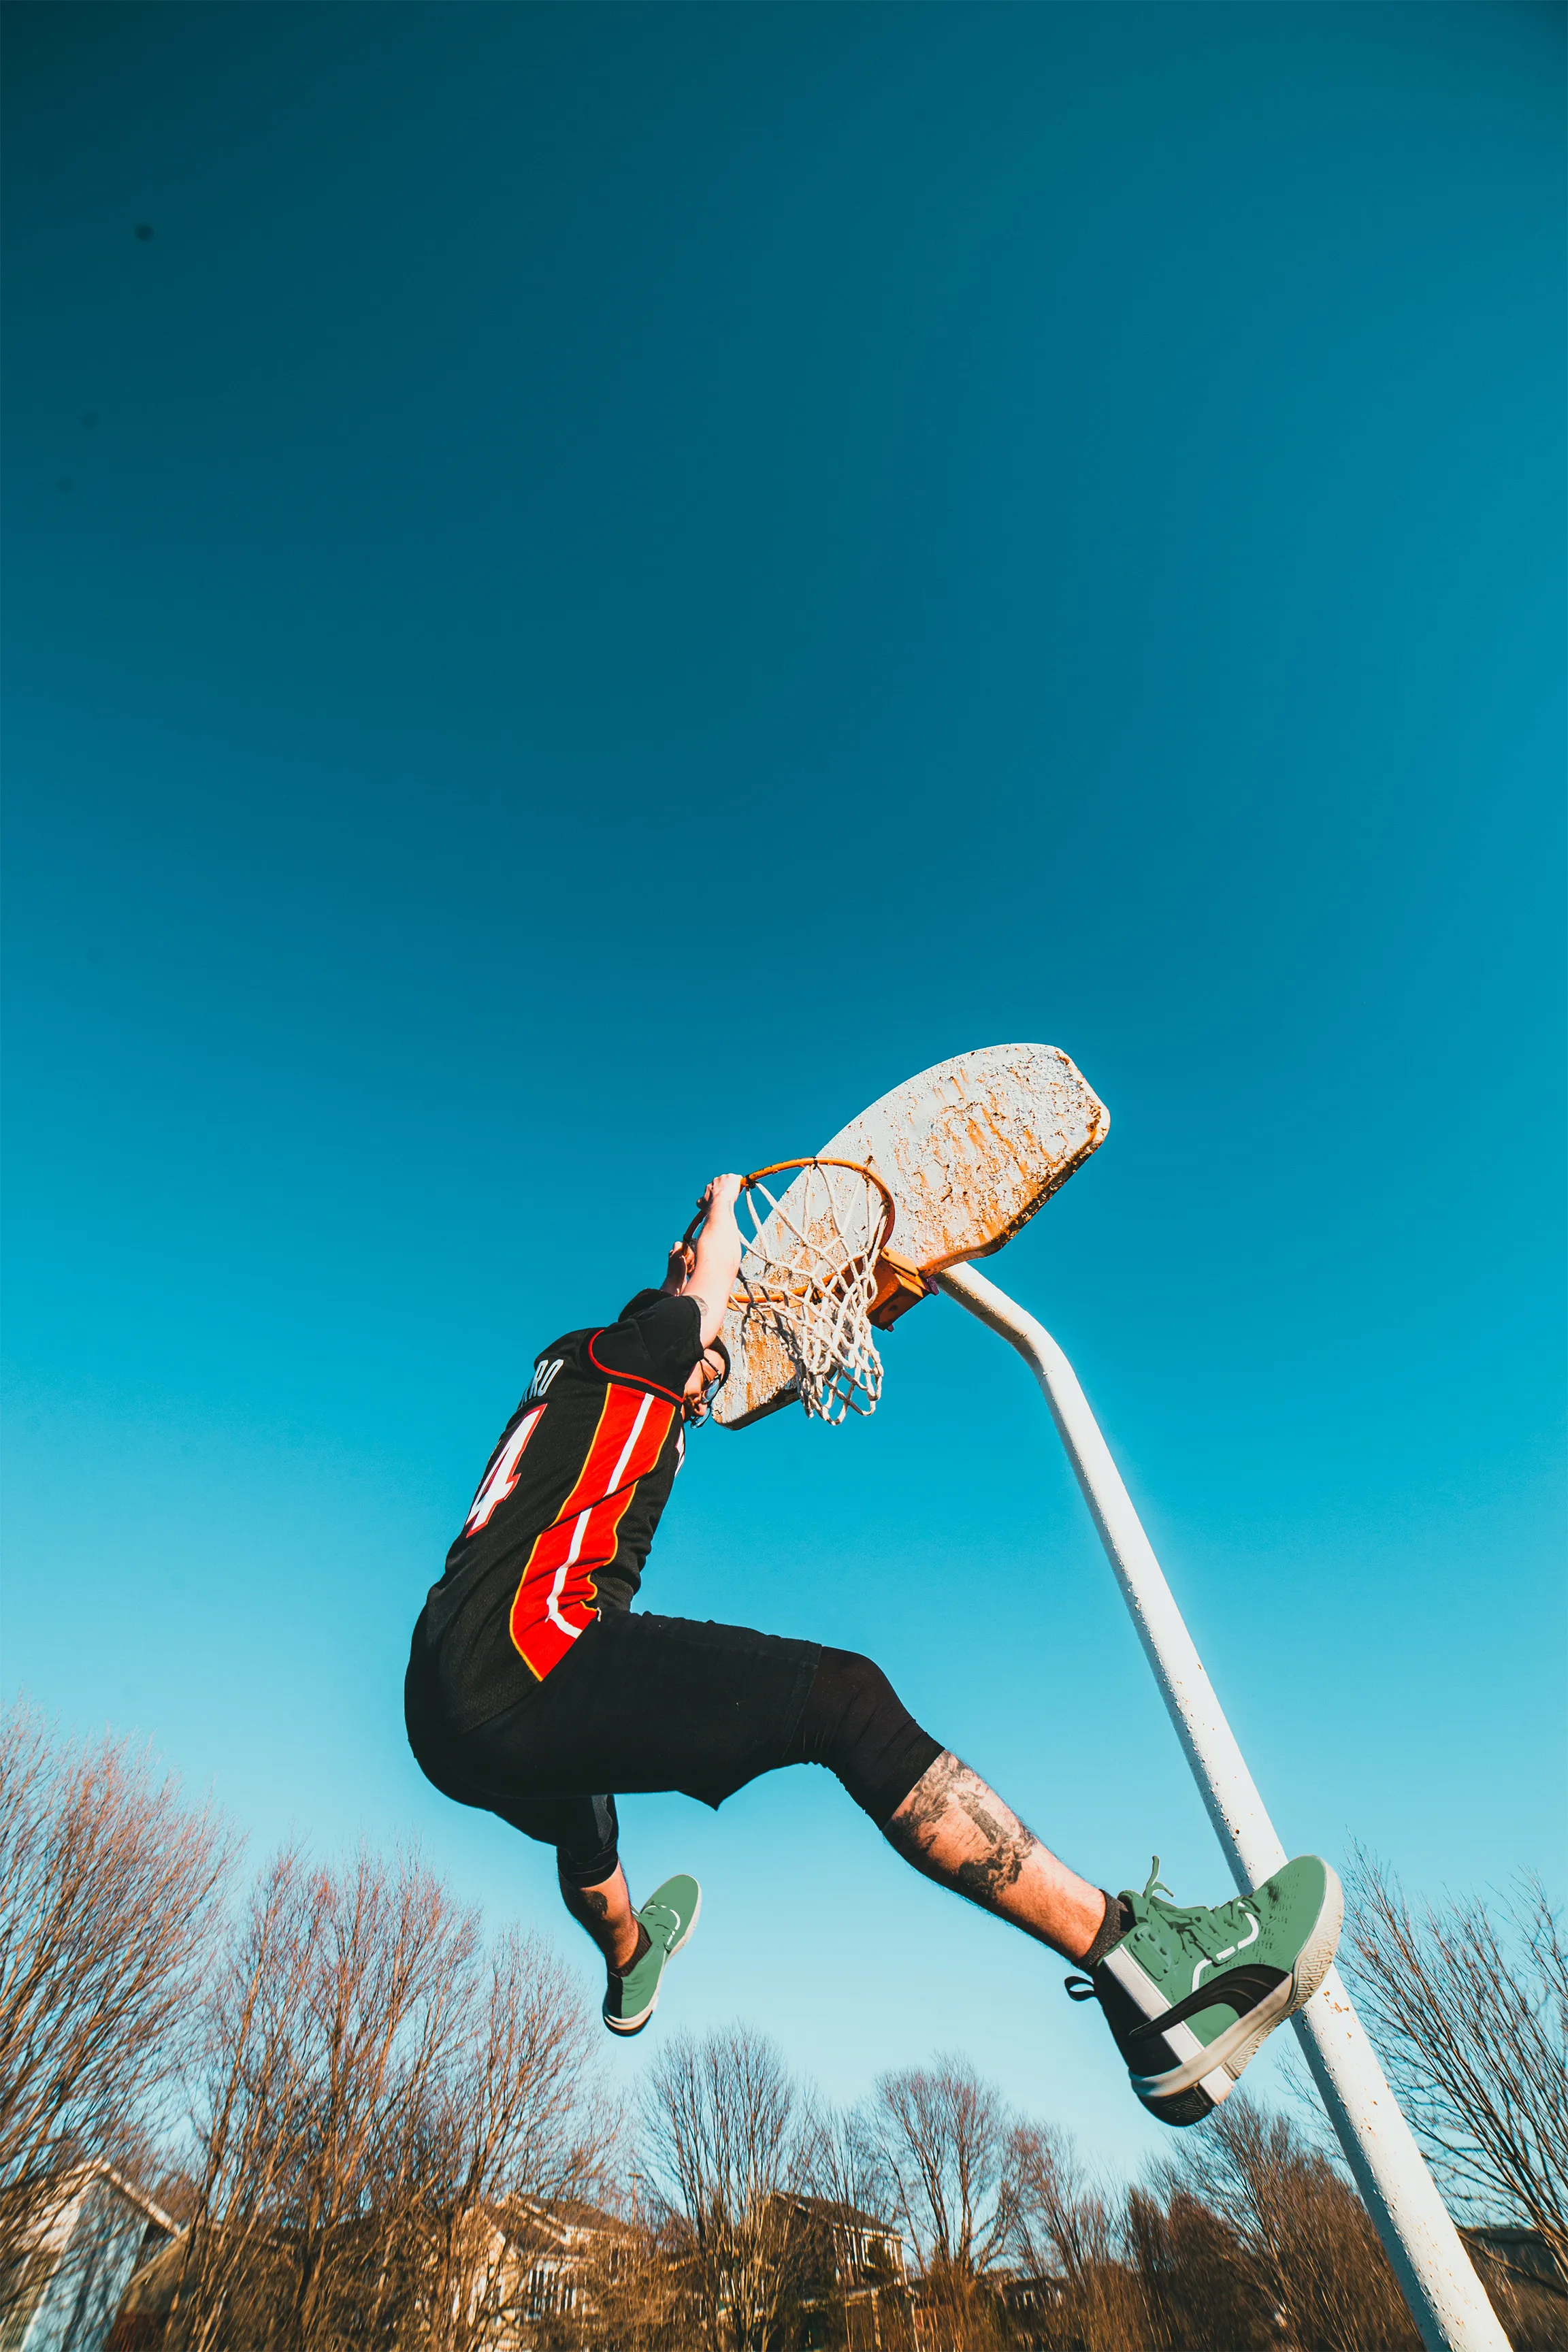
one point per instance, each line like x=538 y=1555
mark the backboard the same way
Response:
x=969 y=1150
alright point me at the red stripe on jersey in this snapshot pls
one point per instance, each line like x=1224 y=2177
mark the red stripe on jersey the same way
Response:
x=555 y=1602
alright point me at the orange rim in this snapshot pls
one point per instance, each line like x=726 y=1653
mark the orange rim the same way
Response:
x=817 y=1160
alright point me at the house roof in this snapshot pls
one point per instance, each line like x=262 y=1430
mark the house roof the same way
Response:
x=1520 y=2250
x=73 y=2186
x=562 y=2218
x=835 y=2209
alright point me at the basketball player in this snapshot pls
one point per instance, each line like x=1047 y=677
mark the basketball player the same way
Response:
x=535 y=1690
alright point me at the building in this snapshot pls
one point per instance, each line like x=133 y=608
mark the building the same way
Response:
x=533 y=2268
x=62 y=2292
x=1525 y=2280
x=559 y=2252
x=853 y=2282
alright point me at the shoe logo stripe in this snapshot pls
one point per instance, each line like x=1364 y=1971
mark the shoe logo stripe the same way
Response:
x=1230 y=1950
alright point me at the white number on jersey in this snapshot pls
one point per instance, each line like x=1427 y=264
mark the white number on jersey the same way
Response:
x=502 y=1476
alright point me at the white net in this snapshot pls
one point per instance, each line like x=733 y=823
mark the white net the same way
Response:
x=808 y=1275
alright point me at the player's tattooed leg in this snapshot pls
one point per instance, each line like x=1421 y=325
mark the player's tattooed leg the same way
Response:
x=959 y=1832
x=606 y=1913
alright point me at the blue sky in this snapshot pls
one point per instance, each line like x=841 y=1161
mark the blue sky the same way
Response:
x=606 y=584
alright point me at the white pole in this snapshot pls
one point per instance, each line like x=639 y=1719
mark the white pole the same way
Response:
x=1428 y=2255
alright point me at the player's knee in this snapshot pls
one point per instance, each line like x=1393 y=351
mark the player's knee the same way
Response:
x=589 y=1853
x=854 y=1723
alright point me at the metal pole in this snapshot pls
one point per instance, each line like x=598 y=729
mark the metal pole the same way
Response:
x=1430 y=2258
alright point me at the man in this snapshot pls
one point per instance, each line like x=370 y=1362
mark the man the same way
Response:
x=535 y=1690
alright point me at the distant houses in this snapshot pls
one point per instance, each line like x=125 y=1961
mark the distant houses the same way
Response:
x=536 y=2271
x=564 y=2254
x=548 y=2272
x=103 y=2271
x=62 y=2290
x=1525 y=2281
x=851 y=2279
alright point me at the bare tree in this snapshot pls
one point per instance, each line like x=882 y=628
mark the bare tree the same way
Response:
x=1471 y=2007
x=513 y=2115
x=1197 y=2283
x=382 y=2014
x=1062 y=2223
x=643 y=2293
x=941 y=2156
x=109 y=1885
x=1067 y=2227
x=850 y=2275
x=246 y=2106
x=725 y=2140
x=1300 y=2231
x=375 y=2089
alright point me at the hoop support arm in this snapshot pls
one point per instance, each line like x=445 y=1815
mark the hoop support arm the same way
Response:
x=1440 y=2282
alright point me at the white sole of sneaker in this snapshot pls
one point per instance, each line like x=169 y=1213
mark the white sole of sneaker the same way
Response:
x=1215 y=2066
x=682 y=1941
x=1312 y=1965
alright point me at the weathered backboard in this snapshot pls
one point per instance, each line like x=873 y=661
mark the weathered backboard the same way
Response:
x=970 y=1150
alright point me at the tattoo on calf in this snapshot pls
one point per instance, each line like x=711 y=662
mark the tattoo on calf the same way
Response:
x=927 y=1802
x=987 y=1879
x=949 y=1788
x=980 y=1817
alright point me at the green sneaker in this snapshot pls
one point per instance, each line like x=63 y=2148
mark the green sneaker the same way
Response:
x=1191 y=1995
x=669 y=1915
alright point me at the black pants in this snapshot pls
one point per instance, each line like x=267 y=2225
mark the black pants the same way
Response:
x=645 y=1703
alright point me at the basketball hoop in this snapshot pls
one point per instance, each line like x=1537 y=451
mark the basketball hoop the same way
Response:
x=809 y=1276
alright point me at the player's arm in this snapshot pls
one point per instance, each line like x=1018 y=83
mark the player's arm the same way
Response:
x=716 y=1260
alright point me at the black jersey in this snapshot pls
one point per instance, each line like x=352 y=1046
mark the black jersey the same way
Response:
x=568 y=1504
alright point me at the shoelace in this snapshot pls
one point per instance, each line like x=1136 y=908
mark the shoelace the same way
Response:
x=1164 y=1922
x=1083 y=1988
x=1156 y=1884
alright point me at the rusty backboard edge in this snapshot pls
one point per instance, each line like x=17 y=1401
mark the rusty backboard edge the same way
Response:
x=789 y=1394
x=1095 y=1137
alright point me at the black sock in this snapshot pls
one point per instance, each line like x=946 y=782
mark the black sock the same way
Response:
x=1118 y=1919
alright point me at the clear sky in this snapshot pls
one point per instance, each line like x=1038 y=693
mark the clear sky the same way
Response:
x=607 y=583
